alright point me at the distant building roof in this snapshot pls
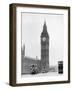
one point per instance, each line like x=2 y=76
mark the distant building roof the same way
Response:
x=30 y=60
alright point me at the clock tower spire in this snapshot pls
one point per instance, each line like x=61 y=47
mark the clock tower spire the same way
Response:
x=44 y=49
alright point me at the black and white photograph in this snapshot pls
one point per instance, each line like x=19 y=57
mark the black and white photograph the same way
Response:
x=42 y=39
x=42 y=44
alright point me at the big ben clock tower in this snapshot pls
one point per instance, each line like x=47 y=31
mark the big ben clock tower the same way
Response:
x=44 y=49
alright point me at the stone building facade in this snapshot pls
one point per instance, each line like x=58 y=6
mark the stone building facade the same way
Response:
x=44 y=49
x=33 y=64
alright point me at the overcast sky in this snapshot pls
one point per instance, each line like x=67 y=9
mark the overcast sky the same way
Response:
x=32 y=26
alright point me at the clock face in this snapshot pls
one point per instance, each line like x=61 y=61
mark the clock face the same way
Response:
x=44 y=38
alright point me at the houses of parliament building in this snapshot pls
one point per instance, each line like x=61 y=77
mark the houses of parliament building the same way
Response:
x=34 y=65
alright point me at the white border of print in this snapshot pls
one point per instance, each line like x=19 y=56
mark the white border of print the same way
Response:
x=32 y=79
